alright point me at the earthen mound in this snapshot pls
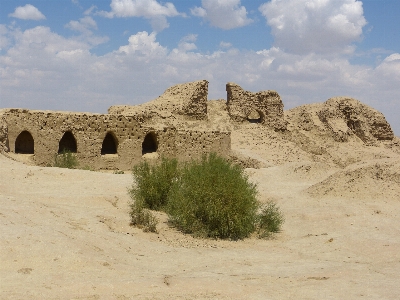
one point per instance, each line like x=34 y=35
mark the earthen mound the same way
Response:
x=188 y=100
x=366 y=180
x=345 y=116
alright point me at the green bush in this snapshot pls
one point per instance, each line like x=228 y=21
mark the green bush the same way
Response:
x=152 y=182
x=213 y=198
x=270 y=220
x=207 y=198
x=143 y=218
x=66 y=159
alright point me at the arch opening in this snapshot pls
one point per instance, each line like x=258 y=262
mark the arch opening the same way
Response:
x=67 y=143
x=254 y=117
x=109 y=145
x=149 y=144
x=24 y=144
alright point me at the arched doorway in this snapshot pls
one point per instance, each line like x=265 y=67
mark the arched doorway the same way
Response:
x=109 y=144
x=67 y=143
x=24 y=143
x=254 y=117
x=149 y=144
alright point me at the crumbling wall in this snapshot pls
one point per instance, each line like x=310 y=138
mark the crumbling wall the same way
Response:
x=3 y=134
x=267 y=104
x=89 y=130
x=345 y=116
x=188 y=100
x=93 y=132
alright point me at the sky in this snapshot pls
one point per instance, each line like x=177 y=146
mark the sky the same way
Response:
x=86 y=55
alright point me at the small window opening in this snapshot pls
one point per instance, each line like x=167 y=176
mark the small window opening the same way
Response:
x=67 y=143
x=254 y=117
x=24 y=143
x=149 y=144
x=109 y=145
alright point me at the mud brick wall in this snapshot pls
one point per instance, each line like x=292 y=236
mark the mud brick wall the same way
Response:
x=193 y=144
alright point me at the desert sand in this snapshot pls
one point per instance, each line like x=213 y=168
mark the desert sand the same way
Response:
x=65 y=234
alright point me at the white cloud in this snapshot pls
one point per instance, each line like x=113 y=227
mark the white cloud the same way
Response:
x=43 y=70
x=322 y=26
x=90 y=10
x=143 y=46
x=150 y=9
x=84 y=25
x=187 y=43
x=27 y=12
x=225 y=44
x=224 y=14
x=4 y=40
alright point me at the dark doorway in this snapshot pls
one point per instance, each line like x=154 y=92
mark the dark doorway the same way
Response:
x=109 y=145
x=67 y=143
x=24 y=143
x=150 y=143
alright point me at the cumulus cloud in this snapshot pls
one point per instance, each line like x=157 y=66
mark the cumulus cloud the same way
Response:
x=187 y=43
x=43 y=70
x=224 y=14
x=150 y=9
x=27 y=12
x=143 y=46
x=84 y=25
x=4 y=40
x=322 y=26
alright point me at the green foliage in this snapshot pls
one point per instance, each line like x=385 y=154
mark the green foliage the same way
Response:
x=87 y=168
x=209 y=198
x=270 y=220
x=152 y=182
x=118 y=172
x=213 y=198
x=66 y=159
x=143 y=218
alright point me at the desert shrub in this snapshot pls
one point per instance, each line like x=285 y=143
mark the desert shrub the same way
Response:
x=152 y=182
x=118 y=172
x=66 y=159
x=208 y=198
x=143 y=218
x=270 y=220
x=213 y=198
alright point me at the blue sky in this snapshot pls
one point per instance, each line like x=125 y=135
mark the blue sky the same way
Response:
x=83 y=55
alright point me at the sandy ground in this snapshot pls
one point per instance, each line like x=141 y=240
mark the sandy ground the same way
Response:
x=65 y=234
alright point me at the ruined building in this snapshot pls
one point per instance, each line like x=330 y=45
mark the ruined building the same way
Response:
x=264 y=107
x=176 y=124
x=119 y=139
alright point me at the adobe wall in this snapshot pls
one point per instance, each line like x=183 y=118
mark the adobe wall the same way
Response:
x=3 y=134
x=47 y=128
x=268 y=104
x=192 y=144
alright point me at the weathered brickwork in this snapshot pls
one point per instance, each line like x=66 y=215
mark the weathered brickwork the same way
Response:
x=192 y=144
x=103 y=141
x=266 y=105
